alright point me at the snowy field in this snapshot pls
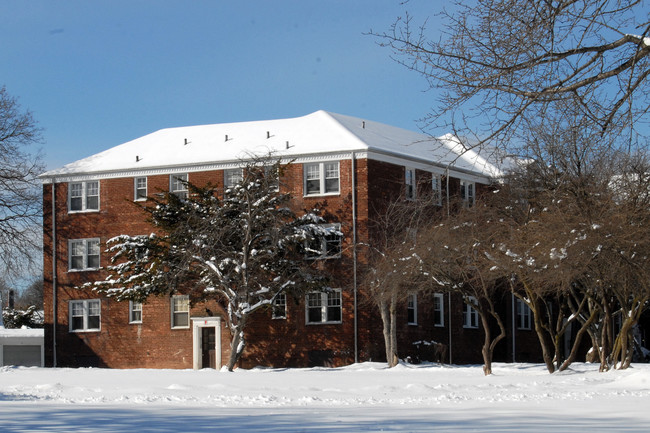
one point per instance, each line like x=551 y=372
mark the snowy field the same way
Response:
x=362 y=397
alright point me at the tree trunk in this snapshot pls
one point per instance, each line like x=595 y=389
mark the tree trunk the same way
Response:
x=486 y=350
x=387 y=311
x=236 y=346
x=394 y=360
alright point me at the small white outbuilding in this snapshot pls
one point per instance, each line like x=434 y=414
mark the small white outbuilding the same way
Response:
x=22 y=347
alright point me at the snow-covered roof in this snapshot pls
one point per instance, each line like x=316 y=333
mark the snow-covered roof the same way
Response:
x=22 y=333
x=298 y=138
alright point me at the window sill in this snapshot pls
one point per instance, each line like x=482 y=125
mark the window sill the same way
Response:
x=470 y=327
x=85 y=270
x=322 y=194
x=180 y=327
x=439 y=325
x=70 y=212
x=412 y=324
x=135 y=323
x=324 y=323
x=83 y=331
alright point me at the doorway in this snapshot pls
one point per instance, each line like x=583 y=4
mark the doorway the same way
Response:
x=206 y=342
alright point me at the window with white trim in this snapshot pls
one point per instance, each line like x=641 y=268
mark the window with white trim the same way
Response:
x=85 y=315
x=438 y=309
x=140 y=188
x=180 y=311
x=280 y=306
x=523 y=315
x=470 y=314
x=412 y=309
x=272 y=175
x=321 y=178
x=327 y=245
x=467 y=192
x=83 y=196
x=409 y=183
x=232 y=177
x=436 y=189
x=135 y=312
x=324 y=307
x=178 y=184
x=83 y=254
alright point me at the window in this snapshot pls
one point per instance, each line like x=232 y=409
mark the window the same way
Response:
x=409 y=183
x=232 y=177
x=83 y=254
x=523 y=315
x=321 y=178
x=178 y=185
x=180 y=311
x=140 y=188
x=327 y=245
x=272 y=176
x=85 y=315
x=438 y=309
x=83 y=196
x=467 y=192
x=412 y=309
x=470 y=315
x=280 y=306
x=324 y=307
x=135 y=312
x=436 y=189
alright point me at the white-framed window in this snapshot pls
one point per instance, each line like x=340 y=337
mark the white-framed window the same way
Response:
x=232 y=177
x=135 y=312
x=436 y=189
x=470 y=315
x=409 y=183
x=178 y=184
x=140 y=188
x=280 y=306
x=321 y=178
x=327 y=245
x=467 y=192
x=180 y=311
x=323 y=307
x=83 y=254
x=272 y=175
x=523 y=315
x=85 y=315
x=438 y=309
x=83 y=196
x=412 y=309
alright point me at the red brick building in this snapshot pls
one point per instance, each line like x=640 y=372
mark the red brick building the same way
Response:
x=347 y=165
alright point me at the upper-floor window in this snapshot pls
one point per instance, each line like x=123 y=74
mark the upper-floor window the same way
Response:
x=523 y=315
x=436 y=189
x=412 y=309
x=135 y=312
x=180 y=311
x=83 y=196
x=321 y=178
x=85 y=315
x=140 y=188
x=232 y=177
x=470 y=314
x=409 y=183
x=83 y=254
x=327 y=245
x=438 y=310
x=324 y=307
x=467 y=192
x=178 y=184
x=280 y=306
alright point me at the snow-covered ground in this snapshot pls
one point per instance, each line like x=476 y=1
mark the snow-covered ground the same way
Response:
x=362 y=397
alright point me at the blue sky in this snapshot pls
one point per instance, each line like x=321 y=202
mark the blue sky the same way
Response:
x=98 y=73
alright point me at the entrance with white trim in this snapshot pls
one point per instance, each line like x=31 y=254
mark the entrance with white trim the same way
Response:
x=206 y=342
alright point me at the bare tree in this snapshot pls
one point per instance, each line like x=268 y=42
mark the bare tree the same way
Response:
x=20 y=195
x=501 y=62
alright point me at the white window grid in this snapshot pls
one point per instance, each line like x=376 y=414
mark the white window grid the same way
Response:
x=83 y=196
x=232 y=177
x=327 y=246
x=180 y=311
x=322 y=178
x=83 y=254
x=470 y=314
x=324 y=307
x=412 y=309
x=178 y=184
x=140 y=188
x=85 y=315
x=135 y=312
x=280 y=306
x=523 y=315
x=438 y=310
x=467 y=192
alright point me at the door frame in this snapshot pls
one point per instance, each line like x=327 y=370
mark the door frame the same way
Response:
x=197 y=324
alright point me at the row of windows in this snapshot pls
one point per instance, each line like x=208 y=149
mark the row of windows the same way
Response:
x=467 y=188
x=84 y=254
x=319 y=179
x=321 y=307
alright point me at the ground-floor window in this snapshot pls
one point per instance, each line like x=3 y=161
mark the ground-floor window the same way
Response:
x=85 y=315
x=523 y=315
x=438 y=310
x=324 y=307
x=135 y=312
x=180 y=311
x=470 y=315
x=280 y=306
x=412 y=309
